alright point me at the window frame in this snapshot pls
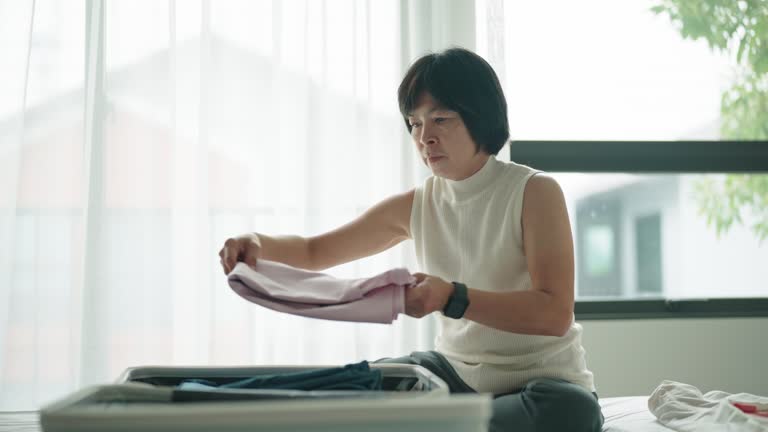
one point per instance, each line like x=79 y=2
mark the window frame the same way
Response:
x=670 y=157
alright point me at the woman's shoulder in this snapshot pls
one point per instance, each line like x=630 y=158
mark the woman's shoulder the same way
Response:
x=513 y=177
x=544 y=184
x=511 y=168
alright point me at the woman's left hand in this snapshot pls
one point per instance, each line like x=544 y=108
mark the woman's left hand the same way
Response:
x=430 y=294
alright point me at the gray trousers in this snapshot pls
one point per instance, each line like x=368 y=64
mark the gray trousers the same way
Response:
x=543 y=405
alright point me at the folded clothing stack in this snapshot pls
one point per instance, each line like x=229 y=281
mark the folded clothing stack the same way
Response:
x=283 y=288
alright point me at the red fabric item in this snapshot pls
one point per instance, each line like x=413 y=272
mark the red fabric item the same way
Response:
x=751 y=409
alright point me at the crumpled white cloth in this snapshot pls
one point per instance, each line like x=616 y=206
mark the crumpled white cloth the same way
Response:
x=684 y=408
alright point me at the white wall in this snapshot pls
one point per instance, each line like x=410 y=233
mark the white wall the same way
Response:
x=631 y=357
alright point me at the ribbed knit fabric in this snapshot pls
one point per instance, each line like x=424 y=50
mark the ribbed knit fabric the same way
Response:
x=471 y=231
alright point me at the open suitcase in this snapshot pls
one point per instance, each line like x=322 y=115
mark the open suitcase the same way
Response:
x=412 y=399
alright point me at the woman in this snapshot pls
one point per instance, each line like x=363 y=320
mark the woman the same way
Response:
x=494 y=241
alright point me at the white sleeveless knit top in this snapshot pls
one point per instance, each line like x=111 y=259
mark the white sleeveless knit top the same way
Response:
x=471 y=231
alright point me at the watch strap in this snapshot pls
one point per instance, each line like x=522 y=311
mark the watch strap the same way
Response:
x=458 y=301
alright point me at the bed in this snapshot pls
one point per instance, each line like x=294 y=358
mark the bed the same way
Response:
x=629 y=414
x=622 y=414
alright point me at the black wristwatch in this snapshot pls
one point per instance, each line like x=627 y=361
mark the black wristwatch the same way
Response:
x=458 y=302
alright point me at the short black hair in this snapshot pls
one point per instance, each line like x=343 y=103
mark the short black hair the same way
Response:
x=464 y=82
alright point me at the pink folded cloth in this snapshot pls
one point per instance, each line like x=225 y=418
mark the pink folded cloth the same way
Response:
x=283 y=288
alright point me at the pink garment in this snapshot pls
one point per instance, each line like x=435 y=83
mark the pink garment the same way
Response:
x=283 y=288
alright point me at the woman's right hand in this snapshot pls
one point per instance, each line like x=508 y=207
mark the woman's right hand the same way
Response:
x=245 y=248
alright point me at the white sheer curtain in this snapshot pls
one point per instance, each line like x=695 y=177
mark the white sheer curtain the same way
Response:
x=135 y=137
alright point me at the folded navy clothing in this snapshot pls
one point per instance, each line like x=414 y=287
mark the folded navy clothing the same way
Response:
x=356 y=376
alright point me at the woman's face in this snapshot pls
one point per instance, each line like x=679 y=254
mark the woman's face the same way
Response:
x=443 y=140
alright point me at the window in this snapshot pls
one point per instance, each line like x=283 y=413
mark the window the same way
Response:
x=650 y=244
x=135 y=137
x=599 y=242
x=648 y=254
x=656 y=127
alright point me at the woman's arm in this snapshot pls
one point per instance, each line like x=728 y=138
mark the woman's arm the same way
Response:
x=382 y=226
x=545 y=309
x=379 y=228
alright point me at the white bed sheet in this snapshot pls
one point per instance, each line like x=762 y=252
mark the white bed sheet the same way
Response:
x=629 y=414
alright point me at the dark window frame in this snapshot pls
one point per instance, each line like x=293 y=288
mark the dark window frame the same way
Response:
x=675 y=157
